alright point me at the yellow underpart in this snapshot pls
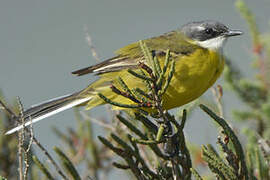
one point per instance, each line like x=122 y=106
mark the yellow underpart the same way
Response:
x=194 y=74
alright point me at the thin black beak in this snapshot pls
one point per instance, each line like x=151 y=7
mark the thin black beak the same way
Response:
x=233 y=33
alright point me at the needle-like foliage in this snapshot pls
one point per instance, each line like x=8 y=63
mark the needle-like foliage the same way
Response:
x=152 y=144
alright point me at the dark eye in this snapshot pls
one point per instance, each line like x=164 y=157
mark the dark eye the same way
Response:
x=209 y=31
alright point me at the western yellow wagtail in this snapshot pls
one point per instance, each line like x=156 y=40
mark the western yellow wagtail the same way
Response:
x=196 y=48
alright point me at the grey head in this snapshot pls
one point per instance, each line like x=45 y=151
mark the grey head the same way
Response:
x=208 y=34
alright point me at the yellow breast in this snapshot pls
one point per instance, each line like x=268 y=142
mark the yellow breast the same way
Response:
x=194 y=74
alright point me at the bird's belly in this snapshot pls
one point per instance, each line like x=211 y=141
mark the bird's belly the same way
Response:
x=192 y=77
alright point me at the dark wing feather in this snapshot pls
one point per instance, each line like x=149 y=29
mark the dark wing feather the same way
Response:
x=128 y=56
x=91 y=69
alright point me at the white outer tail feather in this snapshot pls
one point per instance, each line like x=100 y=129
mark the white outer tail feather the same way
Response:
x=32 y=121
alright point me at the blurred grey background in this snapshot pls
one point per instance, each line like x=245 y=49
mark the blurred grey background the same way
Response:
x=41 y=42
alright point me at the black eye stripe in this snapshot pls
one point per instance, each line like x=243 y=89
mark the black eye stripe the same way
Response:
x=204 y=30
x=209 y=30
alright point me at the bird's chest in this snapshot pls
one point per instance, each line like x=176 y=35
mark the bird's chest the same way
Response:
x=193 y=76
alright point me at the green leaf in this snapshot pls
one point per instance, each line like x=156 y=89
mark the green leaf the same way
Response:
x=43 y=169
x=196 y=174
x=229 y=132
x=68 y=165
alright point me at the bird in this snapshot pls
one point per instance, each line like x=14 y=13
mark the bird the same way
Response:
x=196 y=47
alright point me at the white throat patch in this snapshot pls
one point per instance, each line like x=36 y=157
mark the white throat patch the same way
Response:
x=213 y=44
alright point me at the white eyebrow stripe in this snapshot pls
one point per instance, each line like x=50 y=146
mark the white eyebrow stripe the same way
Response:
x=200 y=28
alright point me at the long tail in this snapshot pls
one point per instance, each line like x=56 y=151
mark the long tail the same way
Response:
x=49 y=108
